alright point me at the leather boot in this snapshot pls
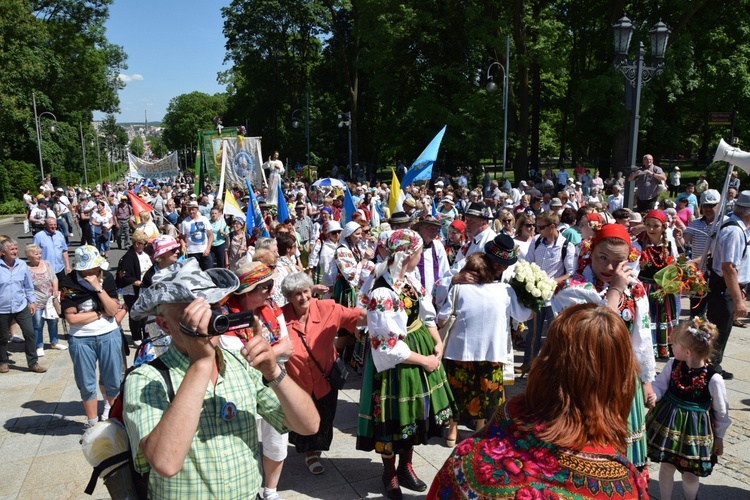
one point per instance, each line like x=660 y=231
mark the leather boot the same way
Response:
x=406 y=475
x=390 y=478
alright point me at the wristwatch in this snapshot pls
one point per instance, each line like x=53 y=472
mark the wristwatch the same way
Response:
x=277 y=380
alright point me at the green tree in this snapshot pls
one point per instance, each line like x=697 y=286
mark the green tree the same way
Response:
x=188 y=113
x=136 y=146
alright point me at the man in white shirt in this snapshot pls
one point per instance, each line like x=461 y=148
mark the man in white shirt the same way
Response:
x=197 y=236
x=615 y=200
x=434 y=261
x=557 y=257
x=516 y=193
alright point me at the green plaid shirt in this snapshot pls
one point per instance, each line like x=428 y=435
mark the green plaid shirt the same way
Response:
x=223 y=461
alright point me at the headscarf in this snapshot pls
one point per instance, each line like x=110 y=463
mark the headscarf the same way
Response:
x=401 y=244
x=658 y=215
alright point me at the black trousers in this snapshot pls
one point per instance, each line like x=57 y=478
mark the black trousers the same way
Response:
x=720 y=313
x=645 y=205
x=137 y=327
x=26 y=324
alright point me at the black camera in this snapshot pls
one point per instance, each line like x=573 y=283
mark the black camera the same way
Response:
x=223 y=323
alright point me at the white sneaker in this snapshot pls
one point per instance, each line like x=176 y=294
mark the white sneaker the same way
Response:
x=17 y=339
x=39 y=352
x=59 y=347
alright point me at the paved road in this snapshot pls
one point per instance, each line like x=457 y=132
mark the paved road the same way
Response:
x=42 y=420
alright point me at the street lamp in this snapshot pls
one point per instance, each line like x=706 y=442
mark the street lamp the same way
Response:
x=295 y=124
x=98 y=155
x=345 y=120
x=492 y=88
x=637 y=74
x=39 y=131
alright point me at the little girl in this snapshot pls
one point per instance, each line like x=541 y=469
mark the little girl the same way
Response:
x=685 y=430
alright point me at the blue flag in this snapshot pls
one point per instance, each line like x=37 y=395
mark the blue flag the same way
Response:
x=349 y=207
x=434 y=209
x=254 y=217
x=421 y=169
x=282 y=212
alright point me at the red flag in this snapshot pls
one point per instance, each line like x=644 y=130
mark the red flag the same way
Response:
x=138 y=205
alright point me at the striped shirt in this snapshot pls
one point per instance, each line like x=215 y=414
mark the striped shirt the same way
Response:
x=224 y=458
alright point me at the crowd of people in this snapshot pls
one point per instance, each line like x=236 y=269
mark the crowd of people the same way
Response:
x=418 y=302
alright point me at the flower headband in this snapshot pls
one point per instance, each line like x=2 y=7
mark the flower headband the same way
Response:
x=403 y=240
x=501 y=253
x=696 y=330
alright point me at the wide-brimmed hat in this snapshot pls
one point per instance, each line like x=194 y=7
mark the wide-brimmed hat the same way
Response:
x=251 y=274
x=333 y=226
x=479 y=209
x=193 y=204
x=87 y=257
x=447 y=199
x=427 y=220
x=743 y=200
x=502 y=250
x=399 y=218
x=410 y=202
x=163 y=244
x=182 y=283
x=555 y=202
x=350 y=228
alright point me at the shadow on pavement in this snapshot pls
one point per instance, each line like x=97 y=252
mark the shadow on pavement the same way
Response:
x=44 y=424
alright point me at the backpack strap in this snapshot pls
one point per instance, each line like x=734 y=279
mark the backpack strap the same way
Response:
x=164 y=371
x=104 y=465
x=735 y=223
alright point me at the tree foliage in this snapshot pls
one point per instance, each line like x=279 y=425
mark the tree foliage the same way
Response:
x=188 y=113
x=57 y=50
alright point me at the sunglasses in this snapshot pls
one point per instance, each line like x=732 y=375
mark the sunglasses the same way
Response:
x=506 y=221
x=543 y=227
x=529 y=225
x=266 y=288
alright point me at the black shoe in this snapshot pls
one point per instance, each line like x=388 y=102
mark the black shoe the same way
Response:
x=392 y=489
x=727 y=375
x=408 y=479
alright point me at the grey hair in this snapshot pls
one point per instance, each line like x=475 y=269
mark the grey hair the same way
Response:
x=740 y=211
x=295 y=283
x=10 y=242
x=264 y=243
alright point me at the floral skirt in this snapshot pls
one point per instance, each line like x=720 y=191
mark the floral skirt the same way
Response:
x=680 y=433
x=403 y=406
x=637 y=428
x=477 y=387
x=664 y=317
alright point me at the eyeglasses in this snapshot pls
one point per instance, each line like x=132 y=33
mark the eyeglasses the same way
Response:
x=539 y=228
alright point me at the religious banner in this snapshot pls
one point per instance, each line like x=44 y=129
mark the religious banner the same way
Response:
x=161 y=169
x=243 y=157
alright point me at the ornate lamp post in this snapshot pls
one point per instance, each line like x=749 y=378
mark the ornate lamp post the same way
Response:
x=345 y=120
x=637 y=74
x=39 y=131
x=492 y=88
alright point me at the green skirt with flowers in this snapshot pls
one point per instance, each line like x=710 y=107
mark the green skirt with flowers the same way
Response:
x=403 y=406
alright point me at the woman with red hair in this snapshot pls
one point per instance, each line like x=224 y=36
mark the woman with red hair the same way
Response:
x=609 y=280
x=565 y=436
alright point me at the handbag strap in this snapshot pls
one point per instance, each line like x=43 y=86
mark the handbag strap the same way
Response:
x=453 y=315
x=309 y=353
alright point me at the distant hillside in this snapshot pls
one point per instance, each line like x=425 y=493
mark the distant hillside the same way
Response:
x=156 y=123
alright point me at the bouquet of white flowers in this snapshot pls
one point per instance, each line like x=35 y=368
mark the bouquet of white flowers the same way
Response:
x=533 y=286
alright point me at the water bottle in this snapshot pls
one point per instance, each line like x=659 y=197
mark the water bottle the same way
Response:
x=120 y=298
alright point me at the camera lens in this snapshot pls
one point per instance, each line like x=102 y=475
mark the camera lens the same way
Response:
x=218 y=325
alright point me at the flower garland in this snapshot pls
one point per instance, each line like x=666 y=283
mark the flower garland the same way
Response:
x=697 y=381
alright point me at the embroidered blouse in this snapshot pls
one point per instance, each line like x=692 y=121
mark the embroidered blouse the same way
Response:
x=634 y=310
x=354 y=270
x=390 y=311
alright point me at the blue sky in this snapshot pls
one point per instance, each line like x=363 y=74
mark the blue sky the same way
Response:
x=174 y=47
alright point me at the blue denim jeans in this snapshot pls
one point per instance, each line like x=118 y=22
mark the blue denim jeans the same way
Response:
x=85 y=351
x=39 y=328
x=534 y=336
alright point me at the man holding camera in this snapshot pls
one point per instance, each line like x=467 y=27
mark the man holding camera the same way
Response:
x=202 y=443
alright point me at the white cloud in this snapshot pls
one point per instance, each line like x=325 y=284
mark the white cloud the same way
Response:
x=135 y=77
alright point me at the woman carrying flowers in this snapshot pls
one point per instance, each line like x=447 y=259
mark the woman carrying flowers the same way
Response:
x=657 y=252
x=405 y=398
x=608 y=280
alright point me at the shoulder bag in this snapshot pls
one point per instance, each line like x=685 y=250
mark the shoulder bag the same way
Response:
x=339 y=373
x=445 y=330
